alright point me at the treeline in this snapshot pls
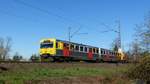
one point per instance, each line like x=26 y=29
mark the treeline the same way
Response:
x=140 y=52
x=140 y=47
x=5 y=49
x=33 y=58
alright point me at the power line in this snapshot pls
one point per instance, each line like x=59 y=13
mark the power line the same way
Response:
x=11 y=14
x=46 y=11
x=74 y=33
x=15 y=15
x=70 y=35
x=116 y=31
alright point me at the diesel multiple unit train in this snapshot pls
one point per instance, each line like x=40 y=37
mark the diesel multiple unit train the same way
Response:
x=59 y=50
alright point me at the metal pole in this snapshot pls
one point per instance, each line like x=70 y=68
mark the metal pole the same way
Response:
x=69 y=33
x=119 y=35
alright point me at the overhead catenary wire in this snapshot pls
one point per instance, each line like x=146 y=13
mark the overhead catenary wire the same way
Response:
x=47 y=12
x=116 y=31
x=11 y=14
x=54 y=14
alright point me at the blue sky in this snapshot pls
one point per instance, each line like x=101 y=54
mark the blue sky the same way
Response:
x=27 y=25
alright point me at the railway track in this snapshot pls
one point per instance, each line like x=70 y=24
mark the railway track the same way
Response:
x=19 y=62
x=30 y=62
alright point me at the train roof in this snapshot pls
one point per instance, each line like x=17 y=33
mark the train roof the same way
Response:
x=107 y=50
x=76 y=43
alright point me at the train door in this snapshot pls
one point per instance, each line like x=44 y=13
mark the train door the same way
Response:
x=90 y=54
x=66 y=52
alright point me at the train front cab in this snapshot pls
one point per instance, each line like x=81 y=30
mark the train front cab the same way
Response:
x=47 y=49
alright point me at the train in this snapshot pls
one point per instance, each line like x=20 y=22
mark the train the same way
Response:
x=52 y=50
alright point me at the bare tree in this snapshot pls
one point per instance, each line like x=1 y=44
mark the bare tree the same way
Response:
x=143 y=32
x=8 y=44
x=1 y=47
x=136 y=50
x=5 y=47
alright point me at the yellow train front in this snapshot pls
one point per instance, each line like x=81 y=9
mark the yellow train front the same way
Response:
x=47 y=49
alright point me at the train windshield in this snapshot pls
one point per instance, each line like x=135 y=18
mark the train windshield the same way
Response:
x=46 y=45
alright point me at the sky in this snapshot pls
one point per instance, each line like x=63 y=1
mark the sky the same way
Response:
x=29 y=21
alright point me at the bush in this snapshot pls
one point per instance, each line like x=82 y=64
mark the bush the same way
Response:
x=141 y=71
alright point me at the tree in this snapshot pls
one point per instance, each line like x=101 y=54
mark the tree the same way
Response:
x=1 y=48
x=141 y=47
x=5 y=47
x=141 y=71
x=17 y=57
x=35 y=58
x=136 y=51
x=143 y=32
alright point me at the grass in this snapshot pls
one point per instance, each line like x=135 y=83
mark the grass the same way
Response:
x=19 y=75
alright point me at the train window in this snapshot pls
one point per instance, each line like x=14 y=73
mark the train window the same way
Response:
x=107 y=52
x=115 y=54
x=56 y=44
x=94 y=50
x=101 y=51
x=66 y=45
x=72 y=47
x=85 y=49
x=81 y=48
x=90 y=49
x=111 y=53
x=97 y=50
x=104 y=52
x=77 y=48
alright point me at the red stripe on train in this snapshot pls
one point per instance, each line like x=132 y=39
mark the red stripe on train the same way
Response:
x=90 y=55
x=66 y=52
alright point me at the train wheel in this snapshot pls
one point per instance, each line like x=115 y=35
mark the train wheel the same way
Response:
x=97 y=61
x=52 y=59
x=67 y=60
x=101 y=61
